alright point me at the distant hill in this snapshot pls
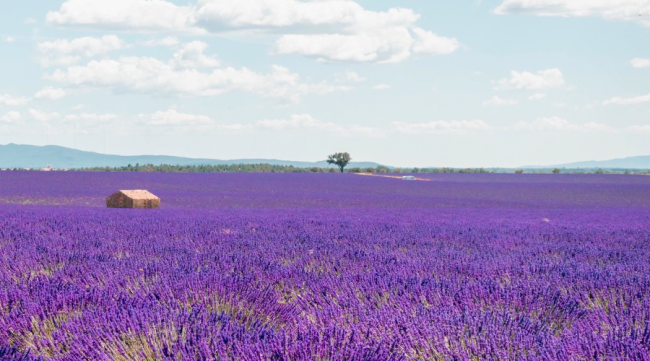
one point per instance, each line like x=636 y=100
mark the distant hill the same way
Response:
x=31 y=156
x=640 y=162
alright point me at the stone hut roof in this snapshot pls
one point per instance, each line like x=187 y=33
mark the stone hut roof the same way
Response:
x=138 y=198
x=139 y=194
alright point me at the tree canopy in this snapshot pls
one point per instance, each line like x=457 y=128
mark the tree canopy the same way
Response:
x=341 y=160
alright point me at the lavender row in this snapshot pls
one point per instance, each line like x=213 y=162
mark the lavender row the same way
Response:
x=338 y=191
x=326 y=284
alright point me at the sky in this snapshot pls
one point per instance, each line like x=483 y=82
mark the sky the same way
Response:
x=433 y=83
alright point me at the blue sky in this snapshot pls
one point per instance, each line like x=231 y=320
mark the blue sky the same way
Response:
x=414 y=83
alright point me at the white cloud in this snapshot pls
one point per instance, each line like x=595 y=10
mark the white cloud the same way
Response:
x=495 y=101
x=391 y=45
x=167 y=41
x=386 y=46
x=179 y=121
x=68 y=52
x=330 y=30
x=172 y=117
x=6 y=99
x=559 y=124
x=191 y=56
x=352 y=76
x=306 y=121
x=545 y=79
x=297 y=121
x=549 y=123
x=11 y=117
x=9 y=39
x=135 y=15
x=140 y=74
x=337 y=15
x=429 y=43
x=91 y=117
x=381 y=87
x=50 y=93
x=625 y=10
x=334 y=30
x=537 y=96
x=585 y=107
x=30 y=21
x=640 y=63
x=639 y=128
x=442 y=126
x=183 y=121
x=595 y=127
x=43 y=116
x=627 y=101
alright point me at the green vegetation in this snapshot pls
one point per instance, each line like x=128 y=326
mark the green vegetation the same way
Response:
x=341 y=160
x=221 y=168
x=269 y=168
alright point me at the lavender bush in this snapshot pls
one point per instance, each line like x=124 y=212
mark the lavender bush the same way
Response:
x=325 y=267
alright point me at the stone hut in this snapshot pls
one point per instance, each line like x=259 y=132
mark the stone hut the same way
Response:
x=133 y=199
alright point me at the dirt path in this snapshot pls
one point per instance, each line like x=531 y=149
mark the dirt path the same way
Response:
x=392 y=176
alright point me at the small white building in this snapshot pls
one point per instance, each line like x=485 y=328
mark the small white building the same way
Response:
x=408 y=177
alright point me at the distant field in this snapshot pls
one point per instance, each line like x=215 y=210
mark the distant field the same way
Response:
x=290 y=190
x=325 y=267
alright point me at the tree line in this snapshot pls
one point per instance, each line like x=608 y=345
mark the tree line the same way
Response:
x=267 y=168
x=271 y=168
x=340 y=160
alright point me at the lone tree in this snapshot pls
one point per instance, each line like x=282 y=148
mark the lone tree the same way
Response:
x=340 y=159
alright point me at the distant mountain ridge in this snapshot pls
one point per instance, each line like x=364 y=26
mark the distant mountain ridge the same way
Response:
x=638 y=162
x=31 y=156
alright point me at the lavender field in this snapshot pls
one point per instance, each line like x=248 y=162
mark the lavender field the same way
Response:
x=325 y=267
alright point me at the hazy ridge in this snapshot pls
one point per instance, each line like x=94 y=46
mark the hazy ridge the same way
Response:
x=31 y=156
